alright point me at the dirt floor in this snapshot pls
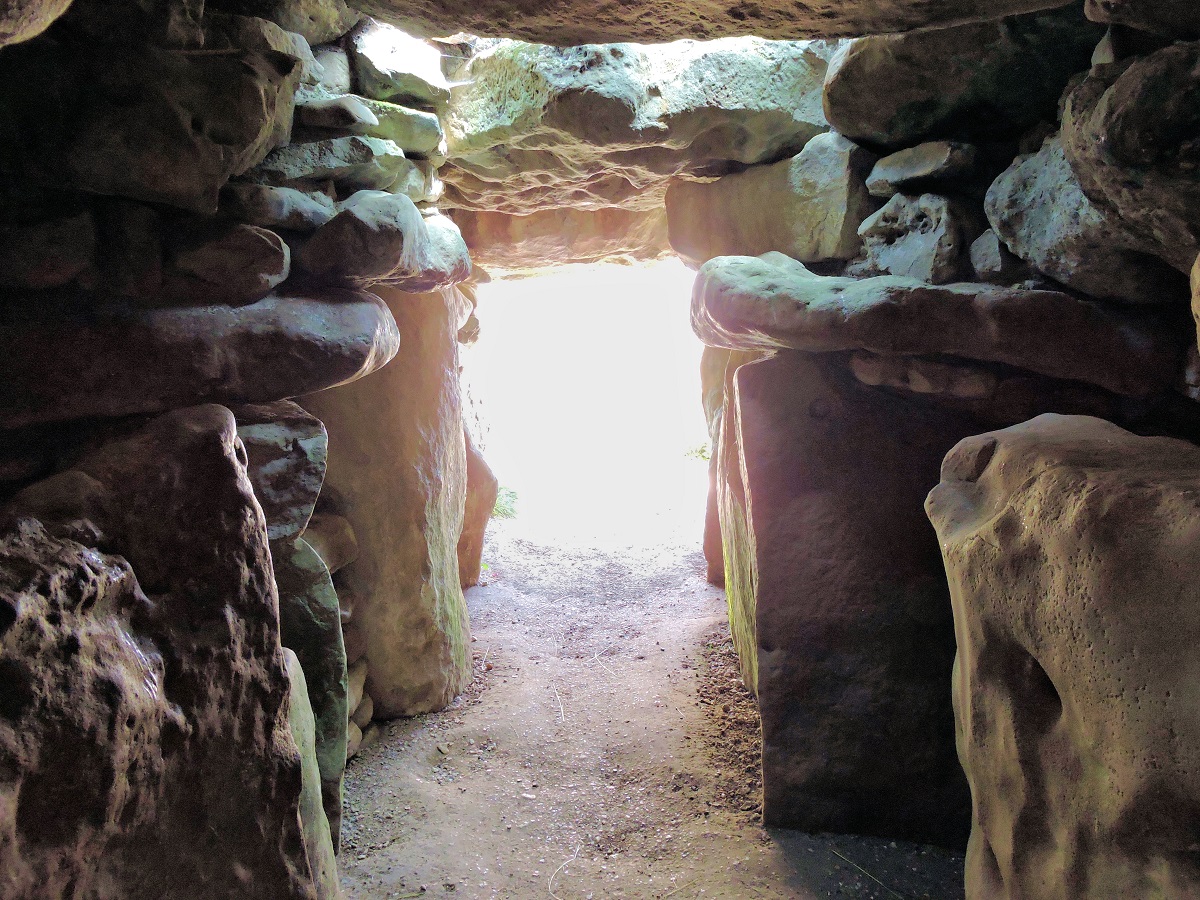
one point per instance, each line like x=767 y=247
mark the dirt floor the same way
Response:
x=607 y=749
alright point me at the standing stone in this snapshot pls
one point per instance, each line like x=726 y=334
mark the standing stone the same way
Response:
x=286 y=452
x=47 y=254
x=809 y=207
x=399 y=467
x=146 y=734
x=987 y=80
x=482 y=490
x=1071 y=545
x=842 y=604
x=317 y=841
x=317 y=20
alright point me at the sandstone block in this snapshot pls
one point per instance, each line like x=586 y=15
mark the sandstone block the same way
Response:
x=1068 y=543
x=923 y=237
x=1039 y=210
x=896 y=90
x=768 y=302
x=482 y=489
x=160 y=126
x=110 y=798
x=922 y=168
x=399 y=468
x=276 y=207
x=391 y=65
x=841 y=600
x=1121 y=136
x=809 y=207
x=381 y=238
x=70 y=364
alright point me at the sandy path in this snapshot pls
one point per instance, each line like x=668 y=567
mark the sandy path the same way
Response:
x=595 y=756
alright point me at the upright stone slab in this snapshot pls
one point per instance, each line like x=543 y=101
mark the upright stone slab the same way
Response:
x=482 y=490
x=845 y=591
x=398 y=464
x=1071 y=547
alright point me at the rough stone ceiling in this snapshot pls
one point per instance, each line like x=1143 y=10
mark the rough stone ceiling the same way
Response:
x=567 y=22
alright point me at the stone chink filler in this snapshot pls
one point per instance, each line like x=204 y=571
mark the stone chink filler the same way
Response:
x=945 y=263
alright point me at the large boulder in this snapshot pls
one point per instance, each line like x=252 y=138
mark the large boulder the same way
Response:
x=532 y=127
x=1039 y=210
x=144 y=724
x=153 y=125
x=982 y=81
x=809 y=207
x=382 y=238
x=286 y=453
x=399 y=469
x=1070 y=544
x=551 y=237
x=772 y=301
x=390 y=65
x=578 y=22
x=1175 y=18
x=317 y=20
x=1123 y=134
x=25 y=19
x=841 y=600
x=71 y=363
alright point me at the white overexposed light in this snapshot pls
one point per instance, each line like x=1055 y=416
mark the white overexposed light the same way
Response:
x=588 y=381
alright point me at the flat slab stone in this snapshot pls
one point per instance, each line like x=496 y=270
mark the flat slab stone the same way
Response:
x=773 y=301
x=65 y=363
x=648 y=21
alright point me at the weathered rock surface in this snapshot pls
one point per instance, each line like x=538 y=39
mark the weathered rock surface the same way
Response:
x=399 y=467
x=353 y=162
x=25 y=19
x=993 y=263
x=925 y=237
x=809 y=207
x=772 y=301
x=61 y=364
x=391 y=65
x=1068 y=543
x=482 y=489
x=926 y=167
x=310 y=625
x=286 y=453
x=317 y=841
x=981 y=81
x=236 y=264
x=503 y=243
x=156 y=125
x=845 y=604
x=332 y=537
x=381 y=238
x=1176 y=18
x=276 y=207
x=534 y=127
x=1039 y=210
x=576 y=22
x=47 y=254
x=317 y=20
x=1123 y=135
x=121 y=689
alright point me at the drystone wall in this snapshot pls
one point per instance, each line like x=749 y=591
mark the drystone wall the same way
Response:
x=207 y=211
